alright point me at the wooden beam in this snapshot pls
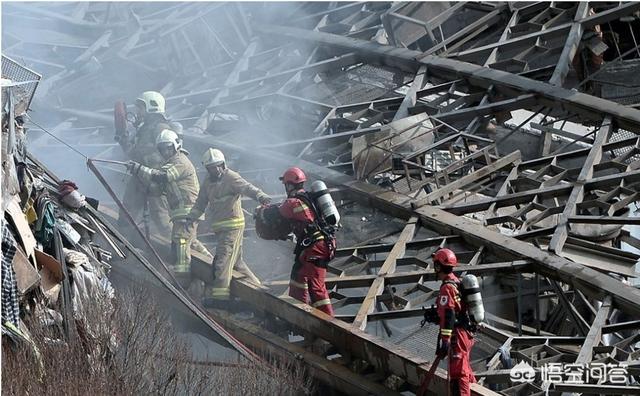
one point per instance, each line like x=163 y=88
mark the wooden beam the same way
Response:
x=388 y=267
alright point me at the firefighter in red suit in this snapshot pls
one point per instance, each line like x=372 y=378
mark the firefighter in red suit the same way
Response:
x=314 y=248
x=455 y=339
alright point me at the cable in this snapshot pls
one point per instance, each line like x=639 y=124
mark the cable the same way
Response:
x=57 y=138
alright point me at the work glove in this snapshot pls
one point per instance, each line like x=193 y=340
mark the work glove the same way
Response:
x=443 y=349
x=133 y=167
x=264 y=200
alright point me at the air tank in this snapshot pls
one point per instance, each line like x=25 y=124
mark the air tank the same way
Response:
x=325 y=203
x=473 y=298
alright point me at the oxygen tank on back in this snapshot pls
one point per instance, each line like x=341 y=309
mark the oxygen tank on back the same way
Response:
x=325 y=203
x=473 y=298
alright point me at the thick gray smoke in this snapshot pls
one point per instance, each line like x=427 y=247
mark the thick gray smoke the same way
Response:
x=196 y=54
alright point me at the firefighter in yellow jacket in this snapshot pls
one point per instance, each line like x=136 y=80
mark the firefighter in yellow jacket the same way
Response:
x=150 y=122
x=221 y=192
x=178 y=181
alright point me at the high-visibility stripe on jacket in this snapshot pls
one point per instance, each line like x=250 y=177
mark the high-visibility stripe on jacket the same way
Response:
x=228 y=224
x=221 y=200
x=179 y=182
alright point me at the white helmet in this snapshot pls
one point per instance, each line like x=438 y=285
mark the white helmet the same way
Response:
x=167 y=136
x=213 y=157
x=153 y=102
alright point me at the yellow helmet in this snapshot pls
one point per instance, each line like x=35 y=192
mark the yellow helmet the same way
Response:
x=213 y=157
x=153 y=101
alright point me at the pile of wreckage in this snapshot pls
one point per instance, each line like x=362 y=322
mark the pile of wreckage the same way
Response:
x=52 y=266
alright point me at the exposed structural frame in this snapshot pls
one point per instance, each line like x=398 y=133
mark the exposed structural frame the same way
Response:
x=587 y=106
x=596 y=284
x=536 y=210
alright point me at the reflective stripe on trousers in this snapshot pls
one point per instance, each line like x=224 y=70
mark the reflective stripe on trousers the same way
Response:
x=227 y=258
x=228 y=224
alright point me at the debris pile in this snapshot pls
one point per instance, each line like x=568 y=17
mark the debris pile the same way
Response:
x=51 y=264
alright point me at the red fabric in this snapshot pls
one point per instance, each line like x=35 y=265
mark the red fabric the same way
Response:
x=308 y=273
x=294 y=210
x=65 y=187
x=448 y=299
x=461 y=341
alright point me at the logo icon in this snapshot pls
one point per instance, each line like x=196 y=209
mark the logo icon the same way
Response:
x=522 y=372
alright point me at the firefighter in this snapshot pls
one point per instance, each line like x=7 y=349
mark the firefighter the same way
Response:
x=221 y=192
x=314 y=248
x=455 y=339
x=178 y=181
x=150 y=120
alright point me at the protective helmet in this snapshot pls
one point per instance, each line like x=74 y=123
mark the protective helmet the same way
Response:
x=153 y=102
x=294 y=176
x=167 y=136
x=213 y=157
x=445 y=257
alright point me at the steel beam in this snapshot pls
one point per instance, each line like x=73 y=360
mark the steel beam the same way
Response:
x=589 y=107
x=589 y=281
x=385 y=357
x=577 y=193
x=388 y=267
x=570 y=46
x=595 y=332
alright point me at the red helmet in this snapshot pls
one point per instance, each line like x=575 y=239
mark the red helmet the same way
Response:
x=445 y=257
x=294 y=176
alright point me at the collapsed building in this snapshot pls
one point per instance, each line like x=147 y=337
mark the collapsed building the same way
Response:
x=507 y=132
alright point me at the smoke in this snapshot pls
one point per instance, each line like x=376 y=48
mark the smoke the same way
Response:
x=197 y=54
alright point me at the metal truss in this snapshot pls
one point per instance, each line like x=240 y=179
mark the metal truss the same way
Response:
x=479 y=127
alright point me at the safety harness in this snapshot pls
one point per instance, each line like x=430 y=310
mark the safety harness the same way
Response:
x=461 y=319
x=318 y=230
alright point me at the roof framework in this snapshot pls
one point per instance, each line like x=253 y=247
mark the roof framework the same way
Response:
x=484 y=139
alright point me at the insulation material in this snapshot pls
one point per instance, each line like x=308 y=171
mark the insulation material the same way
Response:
x=87 y=282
